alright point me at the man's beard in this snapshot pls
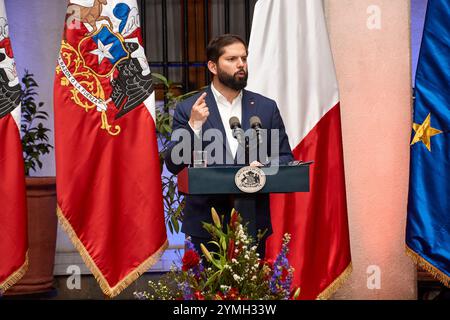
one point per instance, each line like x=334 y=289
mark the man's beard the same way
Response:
x=233 y=81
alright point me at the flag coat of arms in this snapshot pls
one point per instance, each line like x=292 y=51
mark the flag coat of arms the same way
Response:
x=107 y=165
x=13 y=212
x=290 y=61
x=428 y=222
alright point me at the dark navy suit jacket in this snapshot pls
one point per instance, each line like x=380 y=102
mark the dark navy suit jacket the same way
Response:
x=198 y=207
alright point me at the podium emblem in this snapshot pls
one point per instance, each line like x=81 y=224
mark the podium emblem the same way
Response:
x=250 y=179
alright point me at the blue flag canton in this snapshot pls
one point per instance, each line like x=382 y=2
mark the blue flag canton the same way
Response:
x=115 y=46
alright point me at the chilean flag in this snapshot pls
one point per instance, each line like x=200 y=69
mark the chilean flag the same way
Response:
x=289 y=48
x=13 y=210
x=107 y=167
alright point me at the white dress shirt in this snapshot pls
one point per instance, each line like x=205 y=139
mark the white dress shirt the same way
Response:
x=227 y=110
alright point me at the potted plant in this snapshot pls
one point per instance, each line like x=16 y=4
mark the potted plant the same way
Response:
x=41 y=195
x=173 y=201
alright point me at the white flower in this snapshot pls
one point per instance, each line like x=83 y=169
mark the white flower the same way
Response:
x=234 y=260
x=236 y=277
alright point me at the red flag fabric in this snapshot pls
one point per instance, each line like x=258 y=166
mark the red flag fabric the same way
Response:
x=289 y=43
x=13 y=212
x=108 y=173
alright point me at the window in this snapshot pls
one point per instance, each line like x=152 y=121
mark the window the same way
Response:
x=176 y=33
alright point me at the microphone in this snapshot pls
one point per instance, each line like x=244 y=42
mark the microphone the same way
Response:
x=238 y=133
x=255 y=123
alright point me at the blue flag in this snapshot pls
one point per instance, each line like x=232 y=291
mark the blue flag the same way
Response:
x=428 y=223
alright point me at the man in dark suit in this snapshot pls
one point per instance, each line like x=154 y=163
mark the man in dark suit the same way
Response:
x=212 y=109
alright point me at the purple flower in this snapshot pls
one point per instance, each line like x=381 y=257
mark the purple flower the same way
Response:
x=187 y=291
x=280 y=283
x=189 y=245
x=198 y=270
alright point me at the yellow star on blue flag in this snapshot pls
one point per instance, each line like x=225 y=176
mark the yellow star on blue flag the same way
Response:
x=424 y=132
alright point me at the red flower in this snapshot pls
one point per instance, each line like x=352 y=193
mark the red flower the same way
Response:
x=231 y=247
x=233 y=294
x=234 y=220
x=198 y=295
x=284 y=274
x=190 y=260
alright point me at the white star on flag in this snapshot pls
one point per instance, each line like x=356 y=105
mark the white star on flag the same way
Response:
x=103 y=51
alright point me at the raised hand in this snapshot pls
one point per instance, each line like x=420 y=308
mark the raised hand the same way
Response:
x=199 y=112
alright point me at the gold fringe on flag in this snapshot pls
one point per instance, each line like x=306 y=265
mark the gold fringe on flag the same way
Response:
x=15 y=277
x=428 y=267
x=328 y=292
x=104 y=285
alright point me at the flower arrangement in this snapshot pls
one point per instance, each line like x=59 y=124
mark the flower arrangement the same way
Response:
x=233 y=272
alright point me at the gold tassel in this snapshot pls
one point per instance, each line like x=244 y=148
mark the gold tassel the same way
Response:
x=124 y=283
x=428 y=267
x=15 y=277
x=331 y=289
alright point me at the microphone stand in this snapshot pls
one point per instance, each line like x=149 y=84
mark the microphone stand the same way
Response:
x=247 y=152
x=258 y=140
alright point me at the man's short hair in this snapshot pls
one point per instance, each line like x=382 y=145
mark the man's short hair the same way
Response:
x=216 y=46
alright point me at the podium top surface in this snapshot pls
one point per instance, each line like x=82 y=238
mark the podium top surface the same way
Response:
x=221 y=180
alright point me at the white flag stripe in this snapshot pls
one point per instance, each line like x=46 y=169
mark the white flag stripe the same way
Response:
x=17 y=115
x=3 y=21
x=303 y=100
x=150 y=104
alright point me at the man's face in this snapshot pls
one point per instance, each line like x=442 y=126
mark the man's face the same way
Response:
x=231 y=69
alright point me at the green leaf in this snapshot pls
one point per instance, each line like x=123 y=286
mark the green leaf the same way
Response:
x=223 y=243
x=176 y=224
x=34 y=137
x=211 y=279
x=161 y=78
